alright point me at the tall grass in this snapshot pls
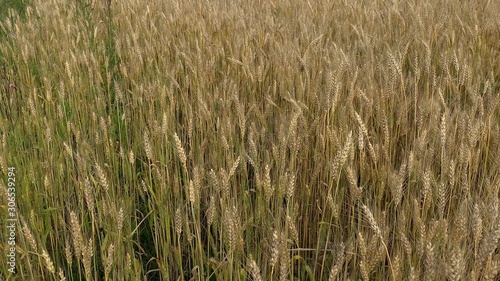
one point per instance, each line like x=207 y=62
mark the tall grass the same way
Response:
x=281 y=140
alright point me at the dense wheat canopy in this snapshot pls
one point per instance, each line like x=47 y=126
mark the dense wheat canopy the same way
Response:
x=252 y=140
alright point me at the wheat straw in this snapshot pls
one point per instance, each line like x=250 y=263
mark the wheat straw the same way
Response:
x=108 y=262
x=284 y=262
x=371 y=220
x=211 y=211
x=62 y=277
x=87 y=254
x=76 y=234
x=191 y=192
x=293 y=229
x=89 y=195
x=268 y=188
x=29 y=236
x=102 y=177
x=254 y=269
x=147 y=146
x=337 y=266
x=48 y=262
x=275 y=248
x=180 y=151
x=131 y=157
x=68 y=253
x=178 y=221
x=234 y=167
x=430 y=262
x=457 y=265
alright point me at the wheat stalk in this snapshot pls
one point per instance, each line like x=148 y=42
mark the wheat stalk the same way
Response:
x=337 y=266
x=29 y=236
x=275 y=248
x=180 y=151
x=48 y=262
x=108 y=262
x=374 y=226
x=254 y=269
x=76 y=234
x=147 y=146
x=102 y=177
x=178 y=221
x=284 y=262
x=87 y=254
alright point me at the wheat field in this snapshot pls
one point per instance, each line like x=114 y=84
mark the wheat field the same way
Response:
x=251 y=140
